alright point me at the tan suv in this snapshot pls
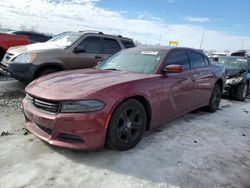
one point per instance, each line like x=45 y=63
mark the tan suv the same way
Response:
x=68 y=50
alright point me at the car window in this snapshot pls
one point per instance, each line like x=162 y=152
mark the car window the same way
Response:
x=45 y=38
x=128 y=44
x=178 y=57
x=33 y=37
x=197 y=60
x=91 y=45
x=110 y=46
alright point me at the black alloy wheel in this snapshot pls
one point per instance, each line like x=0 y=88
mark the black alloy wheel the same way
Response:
x=215 y=98
x=127 y=125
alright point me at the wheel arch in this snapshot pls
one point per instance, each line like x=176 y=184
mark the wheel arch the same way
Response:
x=220 y=83
x=139 y=98
x=51 y=65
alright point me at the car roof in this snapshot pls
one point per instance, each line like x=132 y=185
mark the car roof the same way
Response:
x=31 y=32
x=167 y=48
x=98 y=33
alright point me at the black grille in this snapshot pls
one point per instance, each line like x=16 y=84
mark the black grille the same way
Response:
x=70 y=138
x=45 y=129
x=48 y=106
x=4 y=67
x=7 y=56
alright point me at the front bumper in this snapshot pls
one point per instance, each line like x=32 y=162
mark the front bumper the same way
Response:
x=227 y=88
x=19 y=71
x=4 y=69
x=81 y=131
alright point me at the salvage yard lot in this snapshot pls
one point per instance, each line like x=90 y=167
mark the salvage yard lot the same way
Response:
x=199 y=149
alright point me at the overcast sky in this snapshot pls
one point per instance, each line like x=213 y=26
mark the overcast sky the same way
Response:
x=225 y=23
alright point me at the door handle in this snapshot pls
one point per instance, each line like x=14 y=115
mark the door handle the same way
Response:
x=194 y=77
x=98 y=57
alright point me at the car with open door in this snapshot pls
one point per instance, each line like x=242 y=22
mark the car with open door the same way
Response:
x=114 y=103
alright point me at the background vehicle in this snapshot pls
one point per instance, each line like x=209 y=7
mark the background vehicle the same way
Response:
x=69 y=50
x=34 y=37
x=134 y=90
x=238 y=75
x=8 y=40
x=242 y=53
x=215 y=55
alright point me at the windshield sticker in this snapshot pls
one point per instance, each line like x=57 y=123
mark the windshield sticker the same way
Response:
x=149 y=52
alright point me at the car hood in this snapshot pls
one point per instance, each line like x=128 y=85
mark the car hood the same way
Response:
x=79 y=84
x=234 y=72
x=37 y=47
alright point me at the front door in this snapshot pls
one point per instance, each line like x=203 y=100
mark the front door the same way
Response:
x=178 y=88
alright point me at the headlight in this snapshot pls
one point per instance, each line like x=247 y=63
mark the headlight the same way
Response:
x=234 y=80
x=82 y=106
x=25 y=58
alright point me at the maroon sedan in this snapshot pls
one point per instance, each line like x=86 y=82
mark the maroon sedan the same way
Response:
x=114 y=103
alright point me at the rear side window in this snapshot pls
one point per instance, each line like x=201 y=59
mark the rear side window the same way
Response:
x=91 y=45
x=110 y=46
x=197 y=60
x=179 y=57
x=128 y=44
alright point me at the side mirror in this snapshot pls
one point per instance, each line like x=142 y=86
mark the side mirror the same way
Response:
x=79 y=49
x=172 y=69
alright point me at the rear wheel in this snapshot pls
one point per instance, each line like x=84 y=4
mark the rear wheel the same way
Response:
x=241 y=92
x=46 y=71
x=127 y=125
x=215 y=98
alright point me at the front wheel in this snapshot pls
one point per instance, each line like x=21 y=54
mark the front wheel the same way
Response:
x=215 y=98
x=127 y=125
x=241 y=92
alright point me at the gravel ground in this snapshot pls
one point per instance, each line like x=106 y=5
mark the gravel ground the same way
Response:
x=199 y=149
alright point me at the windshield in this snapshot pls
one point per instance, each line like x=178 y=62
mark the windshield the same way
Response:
x=133 y=60
x=233 y=63
x=64 y=40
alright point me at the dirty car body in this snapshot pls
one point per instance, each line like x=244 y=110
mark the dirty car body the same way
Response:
x=75 y=109
x=238 y=75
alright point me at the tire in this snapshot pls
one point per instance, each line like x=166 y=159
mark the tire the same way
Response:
x=215 y=98
x=46 y=71
x=127 y=125
x=241 y=92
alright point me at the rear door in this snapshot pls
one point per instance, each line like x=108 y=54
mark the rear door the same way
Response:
x=92 y=54
x=203 y=77
x=110 y=47
x=178 y=87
